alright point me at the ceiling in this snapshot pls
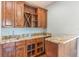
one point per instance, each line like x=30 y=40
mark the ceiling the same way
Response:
x=42 y=4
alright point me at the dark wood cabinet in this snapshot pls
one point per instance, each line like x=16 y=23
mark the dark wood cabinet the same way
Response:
x=67 y=49
x=20 y=49
x=35 y=47
x=25 y=48
x=51 y=49
x=19 y=14
x=8 y=50
x=30 y=16
x=42 y=17
x=12 y=14
x=31 y=47
x=7 y=14
x=0 y=50
x=40 y=46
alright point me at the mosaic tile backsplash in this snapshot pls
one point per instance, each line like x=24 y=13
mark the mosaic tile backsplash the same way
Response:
x=19 y=31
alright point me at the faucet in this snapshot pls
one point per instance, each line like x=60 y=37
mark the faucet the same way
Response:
x=13 y=33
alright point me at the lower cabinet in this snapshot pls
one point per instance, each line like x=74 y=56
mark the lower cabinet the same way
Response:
x=35 y=47
x=51 y=49
x=68 y=49
x=0 y=50
x=24 y=48
x=31 y=47
x=8 y=50
x=20 y=49
x=40 y=46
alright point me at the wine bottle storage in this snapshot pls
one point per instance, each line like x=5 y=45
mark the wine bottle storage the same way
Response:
x=39 y=44
x=30 y=20
x=31 y=53
x=31 y=50
x=41 y=49
x=35 y=47
x=30 y=47
x=30 y=17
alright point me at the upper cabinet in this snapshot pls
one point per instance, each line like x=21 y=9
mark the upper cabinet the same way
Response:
x=12 y=14
x=30 y=16
x=18 y=14
x=7 y=14
x=42 y=17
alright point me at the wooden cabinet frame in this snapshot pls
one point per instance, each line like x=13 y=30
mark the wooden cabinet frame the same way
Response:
x=13 y=15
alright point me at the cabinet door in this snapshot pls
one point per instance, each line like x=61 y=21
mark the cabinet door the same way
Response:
x=40 y=42
x=40 y=46
x=20 y=51
x=19 y=14
x=9 y=52
x=42 y=18
x=8 y=49
x=20 y=48
x=28 y=45
x=31 y=44
x=31 y=47
x=7 y=14
x=0 y=50
x=51 y=49
x=44 y=24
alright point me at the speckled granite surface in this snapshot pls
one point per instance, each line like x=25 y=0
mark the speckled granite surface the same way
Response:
x=62 y=39
x=15 y=39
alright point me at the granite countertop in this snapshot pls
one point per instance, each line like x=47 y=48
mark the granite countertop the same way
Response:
x=16 y=38
x=62 y=39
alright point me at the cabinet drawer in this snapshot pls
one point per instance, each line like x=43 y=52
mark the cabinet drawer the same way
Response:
x=19 y=46
x=28 y=42
x=33 y=40
x=20 y=43
x=8 y=45
x=40 y=40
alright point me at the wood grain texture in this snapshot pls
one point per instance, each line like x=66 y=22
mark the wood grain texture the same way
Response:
x=61 y=50
x=42 y=18
x=51 y=49
x=8 y=50
x=19 y=14
x=0 y=50
x=7 y=14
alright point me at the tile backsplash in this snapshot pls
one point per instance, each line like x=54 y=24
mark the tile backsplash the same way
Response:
x=19 y=31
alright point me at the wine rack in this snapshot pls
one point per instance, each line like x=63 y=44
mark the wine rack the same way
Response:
x=35 y=47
